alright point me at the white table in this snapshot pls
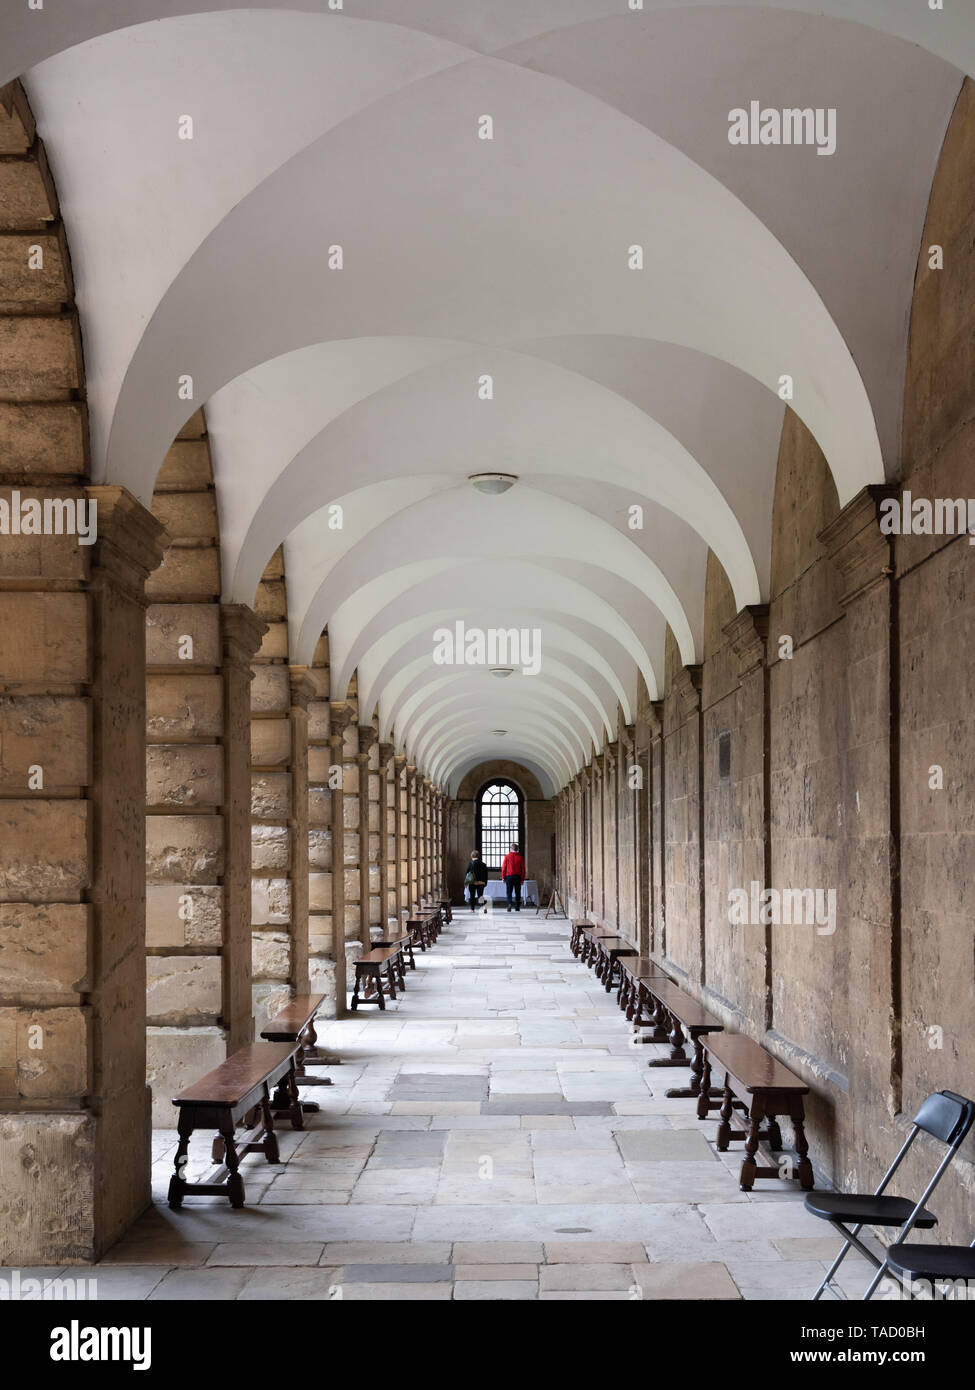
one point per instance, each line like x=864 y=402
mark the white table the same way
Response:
x=496 y=892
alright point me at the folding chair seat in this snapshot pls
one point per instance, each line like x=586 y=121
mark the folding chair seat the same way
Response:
x=931 y=1262
x=945 y=1117
x=869 y=1211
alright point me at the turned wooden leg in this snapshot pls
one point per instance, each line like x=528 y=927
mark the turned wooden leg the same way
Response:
x=726 y=1112
x=804 y=1170
x=378 y=979
x=746 y=1179
x=355 y=992
x=294 y=1108
x=235 y=1183
x=704 y=1095
x=270 y=1140
x=677 y=1041
x=773 y=1133
x=177 y=1183
x=390 y=979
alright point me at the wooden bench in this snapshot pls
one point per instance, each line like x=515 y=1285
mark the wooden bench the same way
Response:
x=636 y=975
x=687 y=1018
x=403 y=940
x=383 y=961
x=239 y=1089
x=755 y=1081
x=296 y=1024
x=575 y=939
x=420 y=932
x=609 y=951
x=447 y=910
x=587 y=939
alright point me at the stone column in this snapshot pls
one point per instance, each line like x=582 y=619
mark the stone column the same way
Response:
x=387 y=855
x=341 y=716
x=367 y=741
x=748 y=635
x=302 y=690
x=871 y=915
x=411 y=842
x=399 y=825
x=657 y=817
x=241 y=633
x=324 y=965
x=74 y=1116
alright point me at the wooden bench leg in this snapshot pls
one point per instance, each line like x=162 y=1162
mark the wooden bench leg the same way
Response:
x=177 y=1183
x=678 y=1057
x=235 y=1183
x=724 y=1128
x=756 y=1113
x=270 y=1139
x=355 y=993
x=377 y=978
x=804 y=1170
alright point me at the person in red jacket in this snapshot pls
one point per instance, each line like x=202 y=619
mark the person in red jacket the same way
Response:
x=513 y=872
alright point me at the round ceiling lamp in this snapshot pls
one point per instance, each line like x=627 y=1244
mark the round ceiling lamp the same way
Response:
x=492 y=483
x=499 y=732
x=502 y=670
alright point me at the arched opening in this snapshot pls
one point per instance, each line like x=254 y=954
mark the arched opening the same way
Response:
x=499 y=820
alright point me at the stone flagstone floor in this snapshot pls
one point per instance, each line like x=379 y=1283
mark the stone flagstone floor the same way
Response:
x=495 y=1134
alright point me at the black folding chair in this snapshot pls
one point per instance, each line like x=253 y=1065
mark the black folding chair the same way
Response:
x=934 y=1264
x=945 y=1117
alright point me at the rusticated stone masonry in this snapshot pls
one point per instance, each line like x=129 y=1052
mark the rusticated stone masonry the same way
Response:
x=74 y=1124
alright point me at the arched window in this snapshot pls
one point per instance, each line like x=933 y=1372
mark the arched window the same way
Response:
x=500 y=821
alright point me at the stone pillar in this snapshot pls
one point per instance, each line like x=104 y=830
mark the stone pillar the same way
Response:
x=241 y=633
x=326 y=962
x=74 y=1109
x=411 y=840
x=273 y=799
x=302 y=690
x=387 y=839
x=657 y=818
x=399 y=825
x=341 y=717
x=871 y=915
x=748 y=635
x=367 y=741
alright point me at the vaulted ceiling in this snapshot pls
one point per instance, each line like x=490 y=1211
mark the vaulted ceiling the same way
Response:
x=510 y=258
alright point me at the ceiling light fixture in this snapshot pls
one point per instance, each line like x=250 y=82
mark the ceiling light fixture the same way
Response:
x=492 y=483
x=499 y=732
x=502 y=670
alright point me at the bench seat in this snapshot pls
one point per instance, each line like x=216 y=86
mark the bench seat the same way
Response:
x=237 y=1090
x=296 y=1023
x=765 y=1088
x=381 y=967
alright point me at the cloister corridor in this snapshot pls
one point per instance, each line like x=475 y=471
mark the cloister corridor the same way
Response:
x=496 y=1135
x=487 y=665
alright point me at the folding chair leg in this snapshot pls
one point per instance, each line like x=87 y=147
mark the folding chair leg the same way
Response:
x=836 y=1264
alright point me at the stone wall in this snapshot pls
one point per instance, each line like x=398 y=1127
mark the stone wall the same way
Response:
x=827 y=743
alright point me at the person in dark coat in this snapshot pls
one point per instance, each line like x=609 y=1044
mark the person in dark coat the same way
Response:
x=476 y=879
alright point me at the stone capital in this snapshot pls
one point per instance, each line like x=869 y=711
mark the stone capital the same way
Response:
x=131 y=542
x=367 y=738
x=748 y=633
x=655 y=720
x=340 y=716
x=386 y=755
x=611 y=755
x=241 y=632
x=687 y=688
x=303 y=689
x=857 y=546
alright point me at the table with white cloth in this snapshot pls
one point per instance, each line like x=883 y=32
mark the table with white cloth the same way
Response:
x=495 y=891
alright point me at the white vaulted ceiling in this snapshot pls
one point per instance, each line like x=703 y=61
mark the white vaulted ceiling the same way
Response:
x=463 y=258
